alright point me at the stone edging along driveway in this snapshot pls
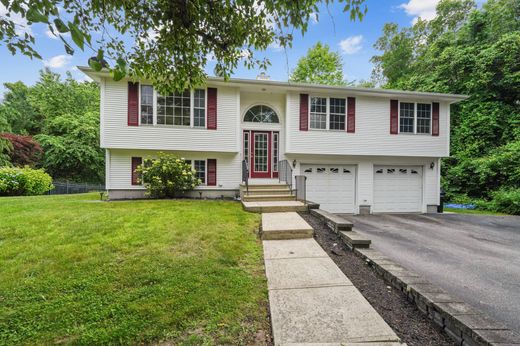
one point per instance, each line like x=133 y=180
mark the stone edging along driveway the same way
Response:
x=464 y=324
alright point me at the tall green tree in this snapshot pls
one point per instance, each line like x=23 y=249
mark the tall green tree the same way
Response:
x=167 y=42
x=469 y=51
x=319 y=66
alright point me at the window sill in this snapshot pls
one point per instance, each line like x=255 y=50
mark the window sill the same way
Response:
x=325 y=130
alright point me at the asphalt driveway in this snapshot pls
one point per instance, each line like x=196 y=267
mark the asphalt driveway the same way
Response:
x=475 y=258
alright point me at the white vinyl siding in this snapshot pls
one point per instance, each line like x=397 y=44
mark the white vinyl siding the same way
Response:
x=372 y=136
x=118 y=135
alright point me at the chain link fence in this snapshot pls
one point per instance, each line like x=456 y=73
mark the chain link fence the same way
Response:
x=65 y=187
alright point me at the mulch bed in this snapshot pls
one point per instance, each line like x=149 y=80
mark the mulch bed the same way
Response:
x=403 y=317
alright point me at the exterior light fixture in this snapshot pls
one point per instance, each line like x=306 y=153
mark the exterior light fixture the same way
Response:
x=294 y=164
x=432 y=164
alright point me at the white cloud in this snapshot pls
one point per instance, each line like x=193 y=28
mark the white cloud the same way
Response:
x=314 y=18
x=58 y=61
x=424 y=9
x=21 y=24
x=351 y=45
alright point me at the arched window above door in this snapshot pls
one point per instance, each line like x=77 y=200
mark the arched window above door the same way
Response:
x=261 y=114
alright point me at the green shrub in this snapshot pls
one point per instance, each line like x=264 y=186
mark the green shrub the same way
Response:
x=26 y=181
x=167 y=176
x=506 y=201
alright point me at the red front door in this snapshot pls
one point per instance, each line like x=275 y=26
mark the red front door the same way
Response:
x=260 y=165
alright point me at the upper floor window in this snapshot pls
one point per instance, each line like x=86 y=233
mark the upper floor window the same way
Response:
x=146 y=104
x=187 y=108
x=328 y=113
x=415 y=117
x=318 y=113
x=261 y=114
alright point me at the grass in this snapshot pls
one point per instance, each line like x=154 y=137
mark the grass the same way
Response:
x=78 y=271
x=474 y=212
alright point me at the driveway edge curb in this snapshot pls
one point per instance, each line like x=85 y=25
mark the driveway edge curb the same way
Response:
x=462 y=323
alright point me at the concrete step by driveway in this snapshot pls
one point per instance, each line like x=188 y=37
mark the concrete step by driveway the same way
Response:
x=313 y=303
x=253 y=198
x=355 y=240
x=288 y=225
x=274 y=206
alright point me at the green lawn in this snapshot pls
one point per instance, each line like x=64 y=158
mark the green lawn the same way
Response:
x=78 y=271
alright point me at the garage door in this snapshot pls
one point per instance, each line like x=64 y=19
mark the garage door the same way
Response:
x=397 y=188
x=332 y=186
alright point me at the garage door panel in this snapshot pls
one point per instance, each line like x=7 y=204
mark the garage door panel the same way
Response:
x=332 y=186
x=397 y=188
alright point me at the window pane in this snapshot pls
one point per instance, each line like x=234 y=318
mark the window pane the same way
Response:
x=199 y=108
x=174 y=109
x=261 y=114
x=424 y=113
x=406 y=117
x=146 y=104
x=200 y=170
x=337 y=114
x=318 y=113
x=275 y=152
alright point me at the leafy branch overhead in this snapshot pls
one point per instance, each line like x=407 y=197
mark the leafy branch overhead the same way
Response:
x=168 y=42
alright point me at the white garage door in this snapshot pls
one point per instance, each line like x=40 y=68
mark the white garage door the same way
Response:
x=397 y=188
x=332 y=186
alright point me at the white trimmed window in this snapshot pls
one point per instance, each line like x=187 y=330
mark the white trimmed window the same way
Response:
x=187 y=108
x=327 y=113
x=318 y=118
x=415 y=118
x=200 y=170
x=146 y=105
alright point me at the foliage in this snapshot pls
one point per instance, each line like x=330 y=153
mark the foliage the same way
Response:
x=25 y=150
x=5 y=151
x=468 y=51
x=182 y=272
x=25 y=181
x=167 y=42
x=64 y=116
x=505 y=201
x=71 y=146
x=167 y=176
x=319 y=66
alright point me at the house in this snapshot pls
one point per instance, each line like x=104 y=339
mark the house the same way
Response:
x=362 y=150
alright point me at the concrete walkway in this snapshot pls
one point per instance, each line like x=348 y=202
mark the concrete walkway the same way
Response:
x=313 y=302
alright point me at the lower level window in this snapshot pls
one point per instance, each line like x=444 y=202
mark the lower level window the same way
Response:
x=200 y=170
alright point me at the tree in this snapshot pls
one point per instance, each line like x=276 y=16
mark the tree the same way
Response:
x=167 y=42
x=320 y=66
x=25 y=151
x=17 y=111
x=71 y=146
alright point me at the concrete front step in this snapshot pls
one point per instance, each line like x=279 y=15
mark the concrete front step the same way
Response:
x=355 y=240
x=335 y=222
x=256 y=192
x=274 y=206
x=259 y=198
x=264 y=186
x=289 y=225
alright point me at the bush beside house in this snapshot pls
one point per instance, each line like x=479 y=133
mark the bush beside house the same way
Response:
x=25 y=181
x=167 y=176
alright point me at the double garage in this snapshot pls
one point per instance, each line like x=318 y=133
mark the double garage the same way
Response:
x=395 y=188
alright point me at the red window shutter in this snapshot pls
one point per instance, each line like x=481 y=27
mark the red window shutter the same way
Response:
x=212 y=172
x=212 y=109
x=394 y=117
x=304 y=112
x=136 y=161
x=435 y=119
x=133 y=104
x=351 y=114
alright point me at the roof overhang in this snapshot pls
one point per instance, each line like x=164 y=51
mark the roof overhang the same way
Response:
x=277 y=86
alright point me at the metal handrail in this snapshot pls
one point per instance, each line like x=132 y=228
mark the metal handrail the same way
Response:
x=245 y=174
x=285 y=173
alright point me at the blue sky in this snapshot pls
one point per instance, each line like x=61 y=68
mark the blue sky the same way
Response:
x=354 y=41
